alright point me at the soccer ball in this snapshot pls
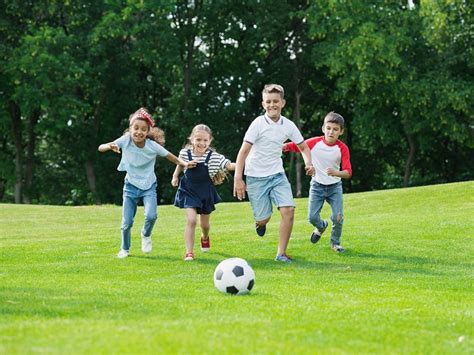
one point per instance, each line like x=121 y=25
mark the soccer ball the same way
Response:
x=234 y=276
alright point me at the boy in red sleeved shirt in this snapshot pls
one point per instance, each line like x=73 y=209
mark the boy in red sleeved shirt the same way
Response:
x=331 y=160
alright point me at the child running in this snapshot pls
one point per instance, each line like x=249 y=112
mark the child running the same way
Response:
x=196 y=192
x=138 y=160
x=265 y=176
x=332 y=161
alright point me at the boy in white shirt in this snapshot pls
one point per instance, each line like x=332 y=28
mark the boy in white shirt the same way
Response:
x=331 y=159
x=265 y=177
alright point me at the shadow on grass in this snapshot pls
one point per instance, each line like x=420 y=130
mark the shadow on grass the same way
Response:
x=214 y=258
x=349 y=261
x=355 y=261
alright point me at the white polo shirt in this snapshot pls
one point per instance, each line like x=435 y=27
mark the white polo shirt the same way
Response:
x=267 y=138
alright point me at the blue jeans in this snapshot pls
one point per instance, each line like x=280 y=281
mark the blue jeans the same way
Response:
x=131 y=196
x=319 y=193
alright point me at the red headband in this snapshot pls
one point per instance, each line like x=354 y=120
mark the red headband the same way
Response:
x=141 y=113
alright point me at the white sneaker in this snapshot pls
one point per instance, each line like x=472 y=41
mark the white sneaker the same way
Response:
x=146 y=244
x=122 y=254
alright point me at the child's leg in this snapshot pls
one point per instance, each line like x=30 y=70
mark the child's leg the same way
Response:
x=149 y=204
x=258 y=191
x=189 y=230
x=286 y=226
x=315 y=204
x=263 y=222
x=334 y=199
x=282 y=196
x=129 y=208
x=205 y=225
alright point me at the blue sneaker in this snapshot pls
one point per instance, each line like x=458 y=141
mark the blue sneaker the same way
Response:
x=317 y=233
x=260 y=229
x=284 y=258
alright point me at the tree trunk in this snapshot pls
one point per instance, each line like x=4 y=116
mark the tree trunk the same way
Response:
x=2 y=189
x=16 y=128
x=410 y=158
x=89 y=164
x=91 y=179
x=296 y=120
x=192 y=15
x=30 y=156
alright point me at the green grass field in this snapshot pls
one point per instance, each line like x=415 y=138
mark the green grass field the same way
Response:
x=405 y=284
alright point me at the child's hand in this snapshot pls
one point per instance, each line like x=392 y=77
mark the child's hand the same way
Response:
x=239 y=189
x=332 y=172
x=114 y=147
x=310 y=170
x=175 y=181
x=191 y=164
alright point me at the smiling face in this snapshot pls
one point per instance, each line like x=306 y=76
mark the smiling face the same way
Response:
x=332 y=131
x=273 y=104
x=201 y=141
x=139 y=130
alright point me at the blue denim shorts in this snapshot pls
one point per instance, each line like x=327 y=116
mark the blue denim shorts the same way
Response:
x=263 y=191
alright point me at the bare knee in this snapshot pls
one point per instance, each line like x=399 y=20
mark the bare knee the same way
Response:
x=191 y=222
x=287 y=213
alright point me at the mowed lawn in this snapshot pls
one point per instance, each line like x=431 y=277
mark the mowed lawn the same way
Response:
x=405 y=284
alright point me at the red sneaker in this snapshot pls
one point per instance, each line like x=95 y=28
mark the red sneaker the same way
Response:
x=205 y=244
x=189 y=256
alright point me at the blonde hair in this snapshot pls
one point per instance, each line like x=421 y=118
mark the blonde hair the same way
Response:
x=158 y=135
x=197 y=128
x=274 y=89
x=222 y=174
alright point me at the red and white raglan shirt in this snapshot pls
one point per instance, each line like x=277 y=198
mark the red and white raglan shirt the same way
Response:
x=323 y=156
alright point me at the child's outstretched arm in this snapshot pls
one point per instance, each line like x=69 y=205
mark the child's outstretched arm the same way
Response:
x=175 y=178
x=239 y=184
x=109 y=146
x=306 y=153
x=188 y=165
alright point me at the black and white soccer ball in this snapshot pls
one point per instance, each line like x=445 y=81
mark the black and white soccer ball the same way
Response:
x=234 y=276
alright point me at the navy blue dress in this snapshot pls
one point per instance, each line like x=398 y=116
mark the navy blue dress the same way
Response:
x=196 y=189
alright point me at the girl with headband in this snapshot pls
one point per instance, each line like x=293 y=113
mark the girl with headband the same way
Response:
x=138 y=161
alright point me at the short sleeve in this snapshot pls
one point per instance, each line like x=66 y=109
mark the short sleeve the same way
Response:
x=252 y=132
x=295 y=134
x=122 y=140
x=183 y=155
x=223 y=161
x=158 y=149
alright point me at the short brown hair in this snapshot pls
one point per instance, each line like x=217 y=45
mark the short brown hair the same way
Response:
x=274 y=89
x=334 y=117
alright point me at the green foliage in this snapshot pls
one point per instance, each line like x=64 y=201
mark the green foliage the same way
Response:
x=399 y=84
x=401 y=78
x=403 y=285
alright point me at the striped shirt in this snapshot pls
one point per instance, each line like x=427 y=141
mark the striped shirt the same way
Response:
x=216 y=161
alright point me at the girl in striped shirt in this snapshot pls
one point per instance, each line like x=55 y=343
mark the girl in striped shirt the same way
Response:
x=196 y=192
